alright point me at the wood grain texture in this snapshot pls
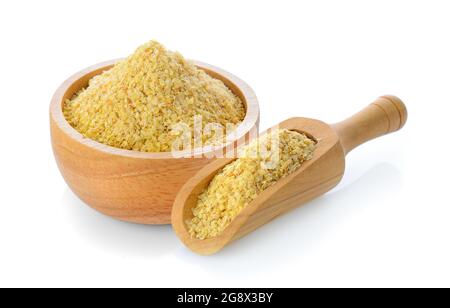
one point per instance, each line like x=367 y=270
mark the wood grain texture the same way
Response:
x=128 y=185
x=386 y=115
x=317 y=176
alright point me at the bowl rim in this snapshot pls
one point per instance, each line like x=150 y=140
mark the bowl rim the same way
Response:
x=250 y=122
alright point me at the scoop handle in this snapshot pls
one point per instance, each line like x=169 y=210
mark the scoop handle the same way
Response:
x=386 y=115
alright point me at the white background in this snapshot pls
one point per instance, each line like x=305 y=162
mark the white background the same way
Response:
x=387 y=224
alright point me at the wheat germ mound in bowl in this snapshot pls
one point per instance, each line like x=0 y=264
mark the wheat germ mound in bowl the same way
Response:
x=135 y=104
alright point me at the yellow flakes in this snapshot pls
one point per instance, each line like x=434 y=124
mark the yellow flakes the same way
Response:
x=240 y=182
x=135 y=104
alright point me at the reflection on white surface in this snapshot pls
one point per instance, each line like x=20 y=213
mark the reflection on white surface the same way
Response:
x=117 y=236
x=286 y=238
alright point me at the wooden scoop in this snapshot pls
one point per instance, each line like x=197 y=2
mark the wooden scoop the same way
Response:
x=315 y=177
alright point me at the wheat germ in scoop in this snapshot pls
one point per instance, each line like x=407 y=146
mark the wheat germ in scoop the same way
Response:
x=259 y=166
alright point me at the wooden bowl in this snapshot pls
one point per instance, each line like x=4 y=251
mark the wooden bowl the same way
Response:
x=128 y=185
